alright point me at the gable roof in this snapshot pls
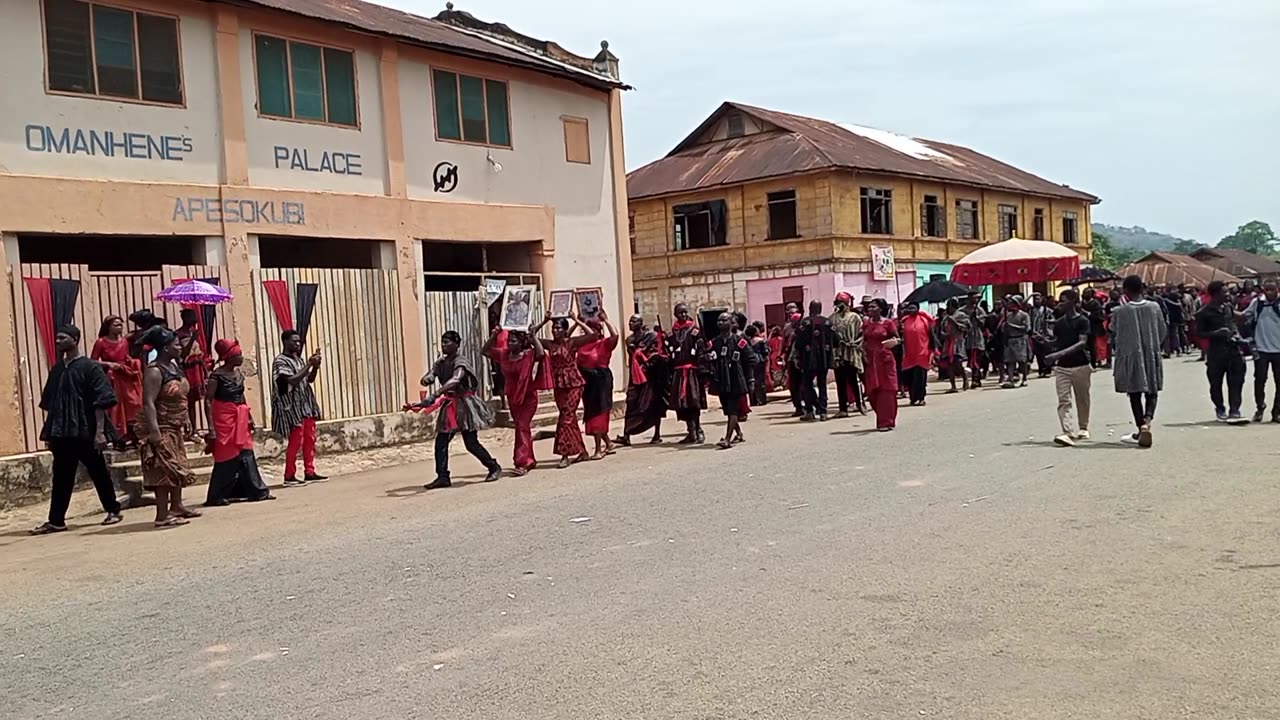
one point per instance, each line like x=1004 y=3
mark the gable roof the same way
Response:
x=1240 y=263
x=1167 y=268
x=798 y=144
x=451 y=31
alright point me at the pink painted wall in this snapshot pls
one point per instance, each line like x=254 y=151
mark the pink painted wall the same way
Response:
x=820 y=286
x=859 y=284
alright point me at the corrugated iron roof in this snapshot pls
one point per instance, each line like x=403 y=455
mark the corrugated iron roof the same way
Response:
x=802 y=144
x=1240 y=263
x=1166 y=268
x=444 y=36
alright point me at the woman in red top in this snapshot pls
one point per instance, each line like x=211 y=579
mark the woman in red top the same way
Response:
x=562 y=349
x=776 y=377
x=917 y=350
x=523 y=373
x=880 y=337
x=597 y=394
x=111 y=351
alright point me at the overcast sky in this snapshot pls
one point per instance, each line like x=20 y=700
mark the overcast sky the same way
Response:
x=1169 y=110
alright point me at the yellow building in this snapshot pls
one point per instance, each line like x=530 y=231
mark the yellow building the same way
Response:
x=756 y=208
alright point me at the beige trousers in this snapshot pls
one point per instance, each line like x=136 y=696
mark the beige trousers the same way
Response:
x=1073 y=381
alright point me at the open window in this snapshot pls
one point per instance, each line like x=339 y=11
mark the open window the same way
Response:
x=782 y=215
x=699 y=225
x=1008 y=221
x=1037 y=224
x=933 y=218
x=1070 y=228
x=967 y=219
x=877 y=211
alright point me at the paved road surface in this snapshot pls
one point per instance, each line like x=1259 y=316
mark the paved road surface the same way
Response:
x=962 y=567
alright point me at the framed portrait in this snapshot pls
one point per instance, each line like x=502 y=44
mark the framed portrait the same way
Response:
x=590 y=302
x=561 y=303
x=517 y=304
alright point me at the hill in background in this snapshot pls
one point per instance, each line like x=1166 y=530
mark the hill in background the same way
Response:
x=1140 y=238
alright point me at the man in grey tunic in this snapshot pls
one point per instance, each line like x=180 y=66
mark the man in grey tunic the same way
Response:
x=1138 y=331
x=975 y=343
x=1017 y=351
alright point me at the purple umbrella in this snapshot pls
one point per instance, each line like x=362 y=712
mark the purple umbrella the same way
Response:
x=195 y=292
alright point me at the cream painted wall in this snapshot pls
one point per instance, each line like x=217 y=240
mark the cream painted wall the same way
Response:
x=278 y=149
x=534 y=171
x=33 y=121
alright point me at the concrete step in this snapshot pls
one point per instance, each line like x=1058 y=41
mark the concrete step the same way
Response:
x=131 y=469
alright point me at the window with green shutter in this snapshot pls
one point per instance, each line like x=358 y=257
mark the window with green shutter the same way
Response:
x=98 y=49
x=471 y=109
x=303 y=81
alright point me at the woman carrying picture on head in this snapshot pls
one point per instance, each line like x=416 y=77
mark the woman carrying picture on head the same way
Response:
x=524 y=373
x=568 y=383
x=597 y=394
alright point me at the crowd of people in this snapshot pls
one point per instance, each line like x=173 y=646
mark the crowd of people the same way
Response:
x=144 y=390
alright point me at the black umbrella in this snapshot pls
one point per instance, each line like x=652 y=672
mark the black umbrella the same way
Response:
x=1092 y=275
x=937 y=291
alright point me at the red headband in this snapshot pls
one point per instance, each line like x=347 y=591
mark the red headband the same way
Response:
x=227 y=349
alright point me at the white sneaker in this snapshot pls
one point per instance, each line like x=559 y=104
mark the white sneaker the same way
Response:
x=1129 y=438
x=1083 y=435
x=1065 y=440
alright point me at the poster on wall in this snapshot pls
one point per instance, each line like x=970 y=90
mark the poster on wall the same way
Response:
x=883 y=266
x=493 y=288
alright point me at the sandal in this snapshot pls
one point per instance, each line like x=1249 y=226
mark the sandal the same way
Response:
x=112 y=519
x=172 y=521
x=186 y=514
x=48 y=529
x=520 y=472
x=657 y=439
x=564 y=463
x=724 y=445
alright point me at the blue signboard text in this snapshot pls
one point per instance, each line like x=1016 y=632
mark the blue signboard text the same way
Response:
x=107 y=143
x=337 y=163
x=232 y=211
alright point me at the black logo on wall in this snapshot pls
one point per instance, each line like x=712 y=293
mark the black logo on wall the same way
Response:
x=445 y=177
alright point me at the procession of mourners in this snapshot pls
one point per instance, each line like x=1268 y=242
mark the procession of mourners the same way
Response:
x=147 y=389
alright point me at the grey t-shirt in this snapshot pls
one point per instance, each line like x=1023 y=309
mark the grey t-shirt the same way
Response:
x=1265 y=316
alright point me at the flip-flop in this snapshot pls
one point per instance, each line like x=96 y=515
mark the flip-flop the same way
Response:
x=48 y=529
x=724 y=445
x=112 y=519
x=171 y=521
x=188 y=514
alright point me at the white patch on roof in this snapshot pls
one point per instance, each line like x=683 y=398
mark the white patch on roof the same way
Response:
x=530 y=52
x=900 y=143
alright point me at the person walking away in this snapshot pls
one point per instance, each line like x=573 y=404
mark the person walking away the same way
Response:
x=458 y=410
x=567 y=381
x=163 y=452
x=1263 y=314
x=687 y=394
x=1017 y=349
x=1042 y=340
x=646 y=383
x=732 y=363
x=976 y=342
x=1137 y=329
x=1177 y=321
x=954 y=331
x=813 y=343
x=847 y=355
x=760 y=370
x=777 y=362
x=111 y=352
x=1224 y=357
x=594 y=358
x=235 y=475
x=194 y=364
x=520 y=360
x=1093 y=309
x=76 y=399
x=294 y=408
x=880 y=336
x=917 y=351
x=1072 y=372
x=795 y=376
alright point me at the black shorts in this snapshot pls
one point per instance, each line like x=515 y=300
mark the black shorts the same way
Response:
x=731 y=403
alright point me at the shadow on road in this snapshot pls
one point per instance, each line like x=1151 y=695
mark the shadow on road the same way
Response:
x=1092 y=445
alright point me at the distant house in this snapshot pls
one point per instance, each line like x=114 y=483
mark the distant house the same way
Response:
x=1241 y=263
x=1168 y=268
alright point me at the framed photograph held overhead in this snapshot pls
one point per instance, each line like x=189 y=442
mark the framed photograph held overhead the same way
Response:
x=590 y=302
x=516 y=306
x=561 y=303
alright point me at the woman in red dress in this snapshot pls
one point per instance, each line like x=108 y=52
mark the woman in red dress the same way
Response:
x=524 y=373
x=562 y=351
x=776 y=377
x=881 y=337
x=597 y=394
x=111 y=351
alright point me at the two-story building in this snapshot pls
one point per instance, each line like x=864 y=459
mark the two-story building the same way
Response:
x=334 y=163
x=756 y=208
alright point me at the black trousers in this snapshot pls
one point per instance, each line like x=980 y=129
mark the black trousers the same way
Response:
x=1262 y=362
x=814 y=391
x=472 y=441
x=917 y=381
x=1228 y=366
x=68 y=456
x=795 y=385
x=848 y=387
x=1143 y=406
x=1041 y=350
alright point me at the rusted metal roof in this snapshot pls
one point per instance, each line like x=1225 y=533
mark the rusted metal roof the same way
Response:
x=1166 y=268
x=461 y=34
x=1240 y=263
x=797 y=144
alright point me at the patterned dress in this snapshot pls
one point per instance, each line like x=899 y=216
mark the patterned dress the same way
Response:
x=164 y=458
x=567 y=383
